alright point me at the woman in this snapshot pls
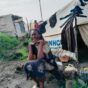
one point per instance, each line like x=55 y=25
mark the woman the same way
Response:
x=39 y=55
x=36 y=67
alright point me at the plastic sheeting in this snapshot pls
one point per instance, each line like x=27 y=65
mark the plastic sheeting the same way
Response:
x=84 y=33
x=60 y=53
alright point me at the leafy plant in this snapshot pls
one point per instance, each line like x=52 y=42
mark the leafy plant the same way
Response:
x=7 y=43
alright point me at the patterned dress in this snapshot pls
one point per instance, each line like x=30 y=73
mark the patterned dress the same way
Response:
x=37 y=68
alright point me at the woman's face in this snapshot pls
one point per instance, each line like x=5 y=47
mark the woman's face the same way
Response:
x=35 y=36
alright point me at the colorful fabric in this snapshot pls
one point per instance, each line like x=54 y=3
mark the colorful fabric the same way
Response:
x=35 y=69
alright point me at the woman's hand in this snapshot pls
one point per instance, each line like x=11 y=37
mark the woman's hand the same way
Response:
x=41 y=42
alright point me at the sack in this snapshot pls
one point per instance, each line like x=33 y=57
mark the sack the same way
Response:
x=69 y=68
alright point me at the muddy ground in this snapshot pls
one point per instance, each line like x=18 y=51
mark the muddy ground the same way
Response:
x=10 y=79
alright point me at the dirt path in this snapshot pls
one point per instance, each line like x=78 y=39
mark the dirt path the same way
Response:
x=10 y=79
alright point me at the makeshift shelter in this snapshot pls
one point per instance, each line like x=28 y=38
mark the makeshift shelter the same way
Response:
x=81 y=31
x=12 y=25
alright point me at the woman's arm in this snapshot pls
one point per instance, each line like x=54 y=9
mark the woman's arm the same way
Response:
x=40 y=49
x=30 y=55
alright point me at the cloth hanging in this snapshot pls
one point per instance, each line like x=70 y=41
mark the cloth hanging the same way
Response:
x=42 y=28
x=53 y=21
x=68 y=39
x=64 y=40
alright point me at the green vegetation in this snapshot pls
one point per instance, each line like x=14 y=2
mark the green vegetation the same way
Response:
x=78 y=85
x=12 y=48
x=8 y=42
x=21 y=54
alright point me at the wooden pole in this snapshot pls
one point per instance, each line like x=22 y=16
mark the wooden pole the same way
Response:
x=40 y=10
x=28 y=28
x=27 y=25
x=75 y=32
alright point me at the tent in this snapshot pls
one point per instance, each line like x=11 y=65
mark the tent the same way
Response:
x=82 y=31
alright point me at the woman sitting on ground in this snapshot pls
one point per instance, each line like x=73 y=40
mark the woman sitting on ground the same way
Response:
x=39 y=55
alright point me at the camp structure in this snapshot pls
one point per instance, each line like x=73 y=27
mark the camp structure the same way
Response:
x=12 y=25
x=74 y=17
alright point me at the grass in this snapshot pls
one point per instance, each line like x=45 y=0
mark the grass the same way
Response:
x=76 y=84
x=24 y=53
x=7 y=43
x=10 y=50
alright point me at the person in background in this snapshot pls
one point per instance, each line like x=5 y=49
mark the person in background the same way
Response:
x=36 y=25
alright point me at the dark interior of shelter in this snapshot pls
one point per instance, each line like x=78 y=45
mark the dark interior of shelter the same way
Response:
x=82 y=49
